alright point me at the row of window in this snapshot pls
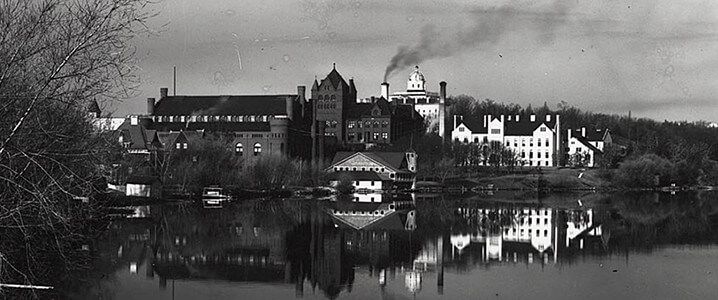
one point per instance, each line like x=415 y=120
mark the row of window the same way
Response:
x=328 y=97
x=538 y=232
x=531 y=142
x=368 y=136
x=257 y=150
x=367 y=124
x=377 y=169
x=261 y=118
x=538 y=154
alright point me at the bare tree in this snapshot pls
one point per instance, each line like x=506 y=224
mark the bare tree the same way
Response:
x=55 y=57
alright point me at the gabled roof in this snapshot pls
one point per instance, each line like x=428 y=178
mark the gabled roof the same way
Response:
x=365 y=109
x=393 y=160
x=595 y=135
x=222 y=105
x=587 y=143
x=94 y=107
x=336 y=79
x=524 y=127
x=475 y=126
x=135 y=135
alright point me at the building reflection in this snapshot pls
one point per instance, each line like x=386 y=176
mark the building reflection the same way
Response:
x=393 y=240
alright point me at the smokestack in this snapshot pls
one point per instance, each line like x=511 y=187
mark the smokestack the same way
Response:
x=150 y=106
x=442 y=92
x=533 y=118
x=174 y=80
x=568 y=135
x=163 y=93
x=583 y=131
x=385 y=90
x=548 y=118
x=517 y=118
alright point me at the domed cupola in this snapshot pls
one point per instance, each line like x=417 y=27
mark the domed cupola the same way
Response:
x=416 y=81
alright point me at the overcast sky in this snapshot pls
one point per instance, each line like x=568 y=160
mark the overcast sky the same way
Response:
x=657 y=58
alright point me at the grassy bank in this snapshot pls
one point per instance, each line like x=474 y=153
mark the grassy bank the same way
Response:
x=558 y=179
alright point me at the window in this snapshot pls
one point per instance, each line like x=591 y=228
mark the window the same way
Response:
x=495 y=131
x=178 y=145
x=531 y=142
x=384 y=124
x=542 y=129
x=257 y=149
x=239 y=149
x=184 y=145
x=385 y=135
x=538 y=154
x=376 y=124
x=523 y=143
x=350 y=125
x=461 y=129
x=539 y=142
x=547 y=145
x=376 y=135
x=508 y=143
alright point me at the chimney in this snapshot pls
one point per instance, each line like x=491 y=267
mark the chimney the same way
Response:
x=134 y=120
x=385 y=90
x=502 y=120
x=487 y=118
x=533 y=118
x=583 y=131
x=442 y=92
x=455 y=116
x=150 y=106
x=163 y=93
x=517 y=118
x=290 y=107
x=568 y=136
x=548 y=118
x=302 y=93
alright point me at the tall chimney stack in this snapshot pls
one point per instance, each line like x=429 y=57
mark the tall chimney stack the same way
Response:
x=150 y=106
x=302 y=93
x=163 y=93
x=385 y=90
x=442 y=92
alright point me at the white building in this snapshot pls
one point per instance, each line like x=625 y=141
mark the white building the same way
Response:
x=429 y=105
x=589 y=144
x=374 y=171
x=536 y=141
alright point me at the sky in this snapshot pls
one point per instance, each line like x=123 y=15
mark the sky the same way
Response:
x=656 y=58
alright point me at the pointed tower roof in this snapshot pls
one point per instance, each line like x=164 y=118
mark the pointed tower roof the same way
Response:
x=93 y=107
x=336 y=79
x=315 y=86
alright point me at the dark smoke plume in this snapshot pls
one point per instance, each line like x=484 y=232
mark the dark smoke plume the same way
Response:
x=490 y=25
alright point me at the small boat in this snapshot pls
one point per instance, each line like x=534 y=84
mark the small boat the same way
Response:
x=212 y=197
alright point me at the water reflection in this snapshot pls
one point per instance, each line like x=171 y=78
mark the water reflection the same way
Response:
x=326 y=246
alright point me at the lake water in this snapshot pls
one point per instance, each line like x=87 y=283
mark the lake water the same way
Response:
x=510 y=246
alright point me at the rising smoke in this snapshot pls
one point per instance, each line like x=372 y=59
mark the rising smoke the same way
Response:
x=489 y=26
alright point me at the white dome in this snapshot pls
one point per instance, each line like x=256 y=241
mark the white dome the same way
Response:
x=416 y=80
x=416 y=76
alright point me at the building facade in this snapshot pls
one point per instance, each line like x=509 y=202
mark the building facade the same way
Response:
x=430 y=105
x=342 y=120
x=536 y=141
x=583 y=147
x=392 y=169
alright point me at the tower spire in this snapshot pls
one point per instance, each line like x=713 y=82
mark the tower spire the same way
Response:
x=334 y=66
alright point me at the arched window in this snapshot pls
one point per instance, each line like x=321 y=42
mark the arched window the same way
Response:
x=334 y=97
x=257 y=149
x=239 y=149
x=320 y=97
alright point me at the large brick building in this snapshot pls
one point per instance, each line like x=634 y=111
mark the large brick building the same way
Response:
x=343 y=121
x=253 y=125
